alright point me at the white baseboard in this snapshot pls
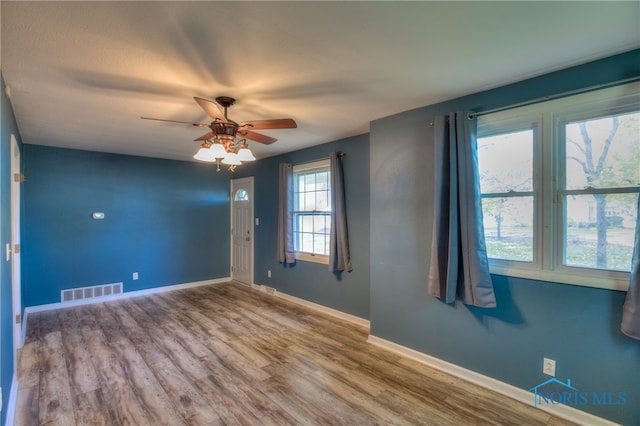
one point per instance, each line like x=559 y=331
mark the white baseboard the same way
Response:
x=320 y=308
x=11 y=403
x=125 y=295
x=560 y=410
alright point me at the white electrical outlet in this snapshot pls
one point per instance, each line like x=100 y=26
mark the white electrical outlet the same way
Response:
x=135 y=275
x=549 y=367
x=269 y=273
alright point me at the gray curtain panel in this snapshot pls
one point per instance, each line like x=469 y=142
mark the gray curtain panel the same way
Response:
x=631 y=309
x=459 y=263
x=339 y=258
x=286 y=253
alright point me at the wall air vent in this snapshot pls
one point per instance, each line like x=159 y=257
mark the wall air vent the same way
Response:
x=105 y=290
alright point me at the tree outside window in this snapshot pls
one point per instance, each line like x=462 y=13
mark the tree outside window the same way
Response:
x=603 y=162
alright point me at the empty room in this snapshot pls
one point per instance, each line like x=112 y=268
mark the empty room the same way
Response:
x=320 y=213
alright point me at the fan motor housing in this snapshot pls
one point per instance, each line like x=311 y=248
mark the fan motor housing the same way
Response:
x=230 y=128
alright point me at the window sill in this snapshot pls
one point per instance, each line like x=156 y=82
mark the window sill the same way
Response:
x=315 y=258
x=610 y=280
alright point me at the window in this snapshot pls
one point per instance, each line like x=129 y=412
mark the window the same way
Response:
x=559 y=183
x=312 y=211
x=241 y=195
x=507 y=193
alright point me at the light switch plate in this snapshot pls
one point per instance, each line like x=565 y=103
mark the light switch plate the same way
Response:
x=549 y=367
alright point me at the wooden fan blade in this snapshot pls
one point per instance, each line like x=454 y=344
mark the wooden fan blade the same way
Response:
x=205 y=137
x=258 y=137
x=280 y=123
x=210 y=108
x=176 y=121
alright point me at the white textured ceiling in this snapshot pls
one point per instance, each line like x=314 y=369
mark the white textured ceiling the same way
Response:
x=81 y=74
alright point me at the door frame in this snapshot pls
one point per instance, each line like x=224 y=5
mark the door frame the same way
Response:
x=234 y=182
x=16 y=252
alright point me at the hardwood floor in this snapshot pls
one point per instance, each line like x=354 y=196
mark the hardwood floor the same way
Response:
x=228 y=355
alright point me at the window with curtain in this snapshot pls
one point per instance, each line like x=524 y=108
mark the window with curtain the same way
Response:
x=312 y=211
x=559 y=183
x=507 y=192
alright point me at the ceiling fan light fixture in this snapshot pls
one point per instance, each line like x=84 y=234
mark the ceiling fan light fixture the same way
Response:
x=245 y=153
x=231 y=159
x=205 y=154
x=220 y=145
x=217 y=150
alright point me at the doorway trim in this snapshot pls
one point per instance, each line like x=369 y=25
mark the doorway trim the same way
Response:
x=16 y=275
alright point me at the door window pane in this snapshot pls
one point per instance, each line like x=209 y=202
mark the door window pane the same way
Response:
x=241 y=195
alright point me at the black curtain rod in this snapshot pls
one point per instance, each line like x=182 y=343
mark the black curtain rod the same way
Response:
x=340 y=155
x=553 y=97
x=557 y=96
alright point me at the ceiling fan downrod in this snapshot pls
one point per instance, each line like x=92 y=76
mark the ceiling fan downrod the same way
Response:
x=225 y=102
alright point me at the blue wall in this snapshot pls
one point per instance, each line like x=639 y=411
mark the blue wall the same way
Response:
x=7 y=128
x=161 y=221
x=348 y=292
x=576 y=326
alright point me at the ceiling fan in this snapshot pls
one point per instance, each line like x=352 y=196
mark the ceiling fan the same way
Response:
x=220 y=144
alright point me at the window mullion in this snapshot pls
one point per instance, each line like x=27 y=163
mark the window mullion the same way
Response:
x=554 y=202
x=538 y=192
x=588 y=191
x=508 y=194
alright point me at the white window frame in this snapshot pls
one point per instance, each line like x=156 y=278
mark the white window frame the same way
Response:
x=548 y=169
x=507 y=123
x=319 y=165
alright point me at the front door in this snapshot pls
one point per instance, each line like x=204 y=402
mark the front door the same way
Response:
x=242 y=230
